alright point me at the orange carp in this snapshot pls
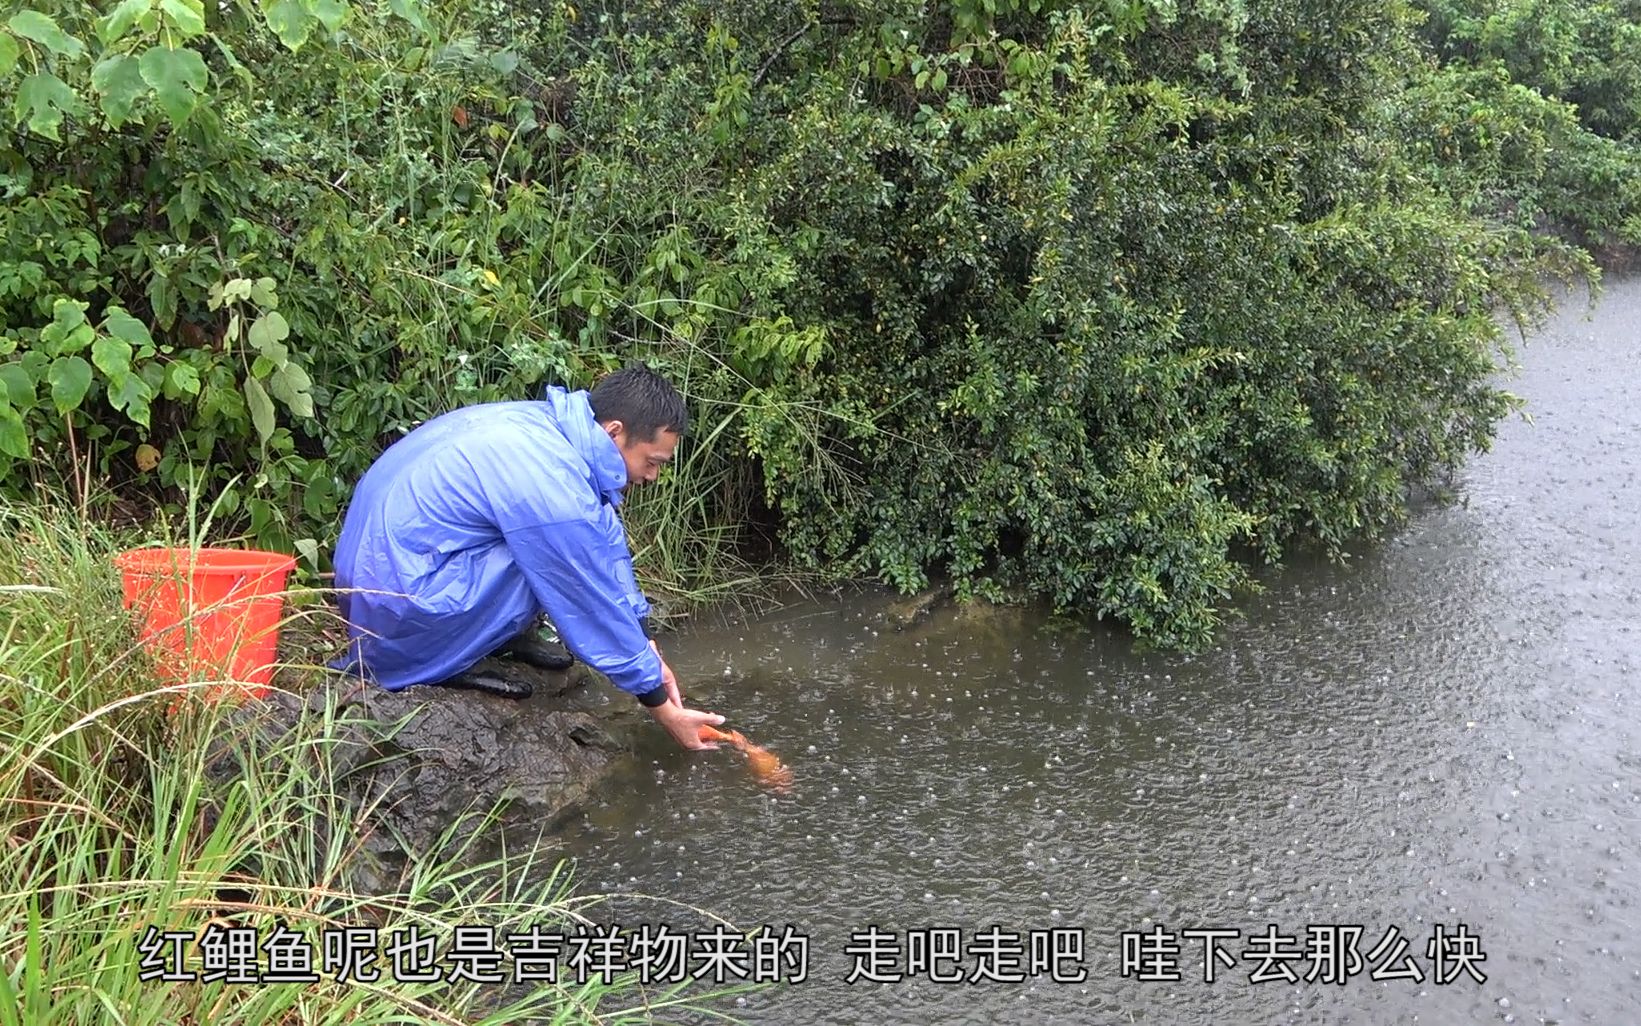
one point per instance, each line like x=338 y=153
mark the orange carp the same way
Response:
x=766 y=767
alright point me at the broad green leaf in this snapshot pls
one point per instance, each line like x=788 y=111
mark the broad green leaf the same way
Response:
x=181 y=379
x=44 y=99
x=290 y=385
x=178 y=77
x=308 y=549
x=40 y=28
x=411 y=11
x=120 y=19
x=68 y=331
x=331 y=13
x=504 y=61
x=237 y=289
x=122 y=325
x=112 y=356
x=187 y=15
x=13 y=435
x=119 y=82
x=8 y=53
x=263 y=293
x=267 y=330
x=70 y=378
x=261 y=407
x=18 y=384
x=131 y=393
x=289 y=20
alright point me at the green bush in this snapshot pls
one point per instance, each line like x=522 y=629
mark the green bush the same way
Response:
x=1061 y=299
x=1535 y=112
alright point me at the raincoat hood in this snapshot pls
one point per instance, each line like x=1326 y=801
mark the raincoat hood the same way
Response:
x=573 y=413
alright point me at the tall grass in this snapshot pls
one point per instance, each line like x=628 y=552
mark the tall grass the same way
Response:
x=120 y=814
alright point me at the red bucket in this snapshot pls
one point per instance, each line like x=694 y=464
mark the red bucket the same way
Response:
x=208 y=614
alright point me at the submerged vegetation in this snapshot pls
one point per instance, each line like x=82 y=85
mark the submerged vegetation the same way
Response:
x=1059 y=299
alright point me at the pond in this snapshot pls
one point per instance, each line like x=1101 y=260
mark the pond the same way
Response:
x=1437 y=741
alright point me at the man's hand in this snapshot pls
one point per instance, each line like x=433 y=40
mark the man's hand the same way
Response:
x=668 y=679
x=685 y=724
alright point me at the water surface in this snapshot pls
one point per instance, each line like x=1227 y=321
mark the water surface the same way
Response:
x=1443 y=731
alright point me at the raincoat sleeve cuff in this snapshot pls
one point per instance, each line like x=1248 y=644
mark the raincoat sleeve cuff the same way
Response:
x=654 y=697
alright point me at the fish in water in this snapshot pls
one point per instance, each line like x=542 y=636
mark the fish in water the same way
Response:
x=765 y=765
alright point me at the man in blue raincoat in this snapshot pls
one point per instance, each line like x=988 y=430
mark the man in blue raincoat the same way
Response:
x=464 y=532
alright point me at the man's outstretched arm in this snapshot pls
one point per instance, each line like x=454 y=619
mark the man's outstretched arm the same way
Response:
x=571 y=567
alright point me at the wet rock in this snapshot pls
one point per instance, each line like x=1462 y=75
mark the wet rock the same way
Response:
x=910 y=611
x=418 y=761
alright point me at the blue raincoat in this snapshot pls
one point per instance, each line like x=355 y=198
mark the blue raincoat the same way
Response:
x=474 y=524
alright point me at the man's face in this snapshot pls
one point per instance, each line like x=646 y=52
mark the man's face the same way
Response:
x=644 y=459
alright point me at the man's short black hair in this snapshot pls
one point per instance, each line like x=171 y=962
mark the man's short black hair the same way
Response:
x=642 y=400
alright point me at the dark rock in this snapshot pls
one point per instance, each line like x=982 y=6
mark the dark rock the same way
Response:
x=419 y=762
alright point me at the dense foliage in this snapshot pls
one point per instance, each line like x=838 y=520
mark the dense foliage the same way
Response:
x=1068 y=299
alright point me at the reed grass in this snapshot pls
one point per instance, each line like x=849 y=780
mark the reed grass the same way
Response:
x=119 y=813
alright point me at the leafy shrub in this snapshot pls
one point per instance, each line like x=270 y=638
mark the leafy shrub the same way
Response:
x=1065 y=299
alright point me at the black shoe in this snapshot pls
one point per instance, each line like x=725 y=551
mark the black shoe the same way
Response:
x=529 y=649
x=490 y=684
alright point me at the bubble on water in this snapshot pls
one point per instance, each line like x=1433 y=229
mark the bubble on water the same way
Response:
x=1504 y=1002
x=813 y=749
